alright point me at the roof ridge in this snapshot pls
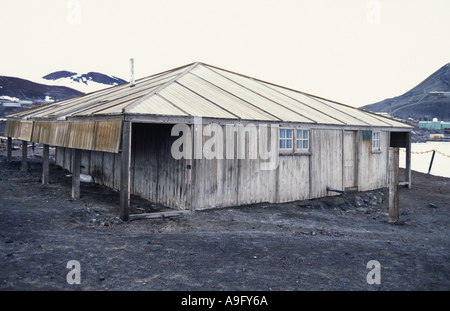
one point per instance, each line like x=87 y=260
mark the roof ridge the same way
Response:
x=145 y=97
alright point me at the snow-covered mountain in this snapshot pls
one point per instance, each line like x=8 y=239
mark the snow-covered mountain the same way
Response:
x=55 y=86
x=86 y=83
x=14 y=89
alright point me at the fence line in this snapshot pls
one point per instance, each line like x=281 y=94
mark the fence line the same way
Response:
x=423 y=152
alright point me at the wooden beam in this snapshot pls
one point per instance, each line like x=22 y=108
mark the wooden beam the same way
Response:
x=358 y=159
x=189 y=168
x=393 y=184
x=9 y=152
x=76 y=158
x=343 y=159
x=24 y=155
x=45 y=165
x=408 y=160
x=158 y=215
x=125 y=171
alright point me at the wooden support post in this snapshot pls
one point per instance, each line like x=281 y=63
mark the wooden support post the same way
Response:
x=408 y=160
x=9 y=152
x=189 y=169
x=358 y=159
x=76 y=157
x=393 y=185
x=125 y=171
x=24 y=155
x=45 y=165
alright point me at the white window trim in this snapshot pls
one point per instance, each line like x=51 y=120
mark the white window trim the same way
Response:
x=376 y=149
x=301 y=150
x=286 y=150
x=294 y=150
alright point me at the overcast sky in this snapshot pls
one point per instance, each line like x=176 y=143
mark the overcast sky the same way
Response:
x=344 y=50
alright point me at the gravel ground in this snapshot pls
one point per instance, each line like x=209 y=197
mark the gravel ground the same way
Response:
x=310 y=245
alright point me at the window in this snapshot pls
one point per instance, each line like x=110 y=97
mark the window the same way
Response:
x=302 y=140
x=285 y=139
x=376 y=141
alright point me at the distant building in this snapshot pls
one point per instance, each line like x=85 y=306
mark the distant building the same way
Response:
x=384 y=114
x=434 y=125
x=447 y=94
x=11 y=104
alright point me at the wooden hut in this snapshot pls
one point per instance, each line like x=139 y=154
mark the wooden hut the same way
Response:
x=122 y=136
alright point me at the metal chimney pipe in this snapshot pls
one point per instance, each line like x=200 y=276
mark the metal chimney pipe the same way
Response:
x=132 y=72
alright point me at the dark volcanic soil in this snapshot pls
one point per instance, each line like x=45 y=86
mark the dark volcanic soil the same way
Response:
x=280 y=247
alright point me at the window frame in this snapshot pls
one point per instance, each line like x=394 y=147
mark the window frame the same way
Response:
x=378 y=140
x=286 y=150
x=302 y=150
x=294 y=150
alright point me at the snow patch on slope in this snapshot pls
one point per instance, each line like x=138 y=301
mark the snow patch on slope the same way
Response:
x=86 y=83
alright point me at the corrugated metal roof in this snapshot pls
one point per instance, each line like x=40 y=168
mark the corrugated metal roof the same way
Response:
x=203 y=90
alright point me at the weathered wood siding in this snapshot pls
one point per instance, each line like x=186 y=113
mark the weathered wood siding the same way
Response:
x=230 y=182
x=158 y=177
x=293 y=178
x=85 y=135
x=349 y=154
x=155 y=174
x=373 y=172
x=326 y=162
x=104 y=167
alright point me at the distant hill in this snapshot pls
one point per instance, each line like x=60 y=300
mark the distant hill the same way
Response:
x=15 y=89
x=418 y=103
x=86 y=83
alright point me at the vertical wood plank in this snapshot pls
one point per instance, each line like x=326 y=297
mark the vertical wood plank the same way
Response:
x=59 y=159
x=67 y=162
x=125 y=172
x=9 y=151
x=76 y=156
x=117 y=170
x=132 y=158
x=312 y=135
x=108 y=169
x=344 y=138
x=45 y=165
x=408 y=160
x=188 y=172
x=357 y=158
x=24 y=155
x=85 y=155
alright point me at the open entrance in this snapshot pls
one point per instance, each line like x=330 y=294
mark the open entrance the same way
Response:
x=403 y=140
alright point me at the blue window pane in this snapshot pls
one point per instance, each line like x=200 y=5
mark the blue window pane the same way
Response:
x=305 y=144
x=289 y=133
x=282 y=133
x=288 y=144
x=299 y=144
x=305 y=134
x=282 y=144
